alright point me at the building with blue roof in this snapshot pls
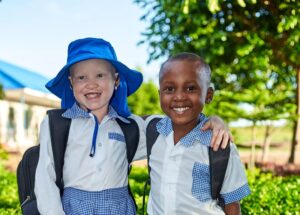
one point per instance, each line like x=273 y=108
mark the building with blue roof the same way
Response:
x=24 y=105
x=15 y=77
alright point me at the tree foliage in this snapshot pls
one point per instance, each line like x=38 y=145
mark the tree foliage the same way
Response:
x=260 y=31
x=145 y=100
x=252 y=46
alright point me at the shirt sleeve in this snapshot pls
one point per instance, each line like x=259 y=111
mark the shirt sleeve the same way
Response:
x=235 y=185
x=141 y=150
x=46 y=191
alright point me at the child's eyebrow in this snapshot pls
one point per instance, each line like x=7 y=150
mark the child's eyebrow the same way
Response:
x=167 y=84
x=167 y=81
x=191 y=82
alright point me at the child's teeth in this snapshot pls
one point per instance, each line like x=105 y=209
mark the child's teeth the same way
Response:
x=181 y=109
x=91 y=95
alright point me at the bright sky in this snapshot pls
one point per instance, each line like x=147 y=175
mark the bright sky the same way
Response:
x=34 y=34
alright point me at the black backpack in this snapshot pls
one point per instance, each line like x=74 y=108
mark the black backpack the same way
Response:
x=218 y=161
x=59 y=131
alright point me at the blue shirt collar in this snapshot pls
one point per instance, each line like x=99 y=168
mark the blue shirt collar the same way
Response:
x=164 y=127
x=77 y=112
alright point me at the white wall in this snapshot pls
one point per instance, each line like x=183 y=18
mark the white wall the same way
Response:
x=22 y=138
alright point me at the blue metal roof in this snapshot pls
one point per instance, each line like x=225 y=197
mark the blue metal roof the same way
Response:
x=15 y=77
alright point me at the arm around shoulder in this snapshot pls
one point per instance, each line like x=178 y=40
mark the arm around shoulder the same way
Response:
x=142 y=123
x=221 y=135
x=141 y=150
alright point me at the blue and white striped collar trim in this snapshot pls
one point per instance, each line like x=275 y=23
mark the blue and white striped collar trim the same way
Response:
x=77 y=112
x=164 y=127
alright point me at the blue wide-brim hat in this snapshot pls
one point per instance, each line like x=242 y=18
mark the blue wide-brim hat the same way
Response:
x=95 y=48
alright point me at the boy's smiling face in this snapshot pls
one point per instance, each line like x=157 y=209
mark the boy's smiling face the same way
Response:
x=93 y=83
x=184 y=89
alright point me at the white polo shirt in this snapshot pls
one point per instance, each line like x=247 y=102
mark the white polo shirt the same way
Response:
x=180 y=178
x=107 y=169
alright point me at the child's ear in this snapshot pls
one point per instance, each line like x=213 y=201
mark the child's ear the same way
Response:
x=71 y=84
x=209 y=95
x=117 y=82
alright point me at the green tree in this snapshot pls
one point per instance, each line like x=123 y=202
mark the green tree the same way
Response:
x=145 y=100
x=252 y=46
x=1 y=92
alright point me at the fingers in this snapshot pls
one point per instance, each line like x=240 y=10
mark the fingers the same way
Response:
x=225 y=140
x=217 y=139
x=220 y=138
x=221 y=135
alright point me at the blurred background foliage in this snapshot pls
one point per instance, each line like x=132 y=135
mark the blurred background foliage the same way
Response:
x=284 y=199
x=145 y=100
x=252 y=47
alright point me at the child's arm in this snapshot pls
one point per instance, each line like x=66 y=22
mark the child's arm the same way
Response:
x=233 y=208
x=221 y=134
x=46 y=191
x=235 y=185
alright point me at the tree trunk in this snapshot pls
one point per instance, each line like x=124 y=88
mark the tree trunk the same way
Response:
x=266 y=146
x=253 y=145
x=295 y=140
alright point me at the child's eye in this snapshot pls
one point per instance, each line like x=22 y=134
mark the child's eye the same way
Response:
x=100 y=75
x=169 y=89
x=190 y=88
x=80 y=78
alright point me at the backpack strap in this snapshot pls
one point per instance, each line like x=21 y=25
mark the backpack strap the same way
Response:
x=218 y=161
x=151 y=136
x=59 y=133
x=132 y=136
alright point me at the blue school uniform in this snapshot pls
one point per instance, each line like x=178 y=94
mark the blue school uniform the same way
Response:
x=180 y=177
x=93 y=185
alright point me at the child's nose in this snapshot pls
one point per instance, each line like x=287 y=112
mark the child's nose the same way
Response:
x=92 y=84
x=179 y=95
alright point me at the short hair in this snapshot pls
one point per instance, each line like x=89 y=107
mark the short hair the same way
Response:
x=187 y=56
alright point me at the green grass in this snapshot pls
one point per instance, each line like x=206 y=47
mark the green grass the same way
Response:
x=137 y=178
x=280 y=136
